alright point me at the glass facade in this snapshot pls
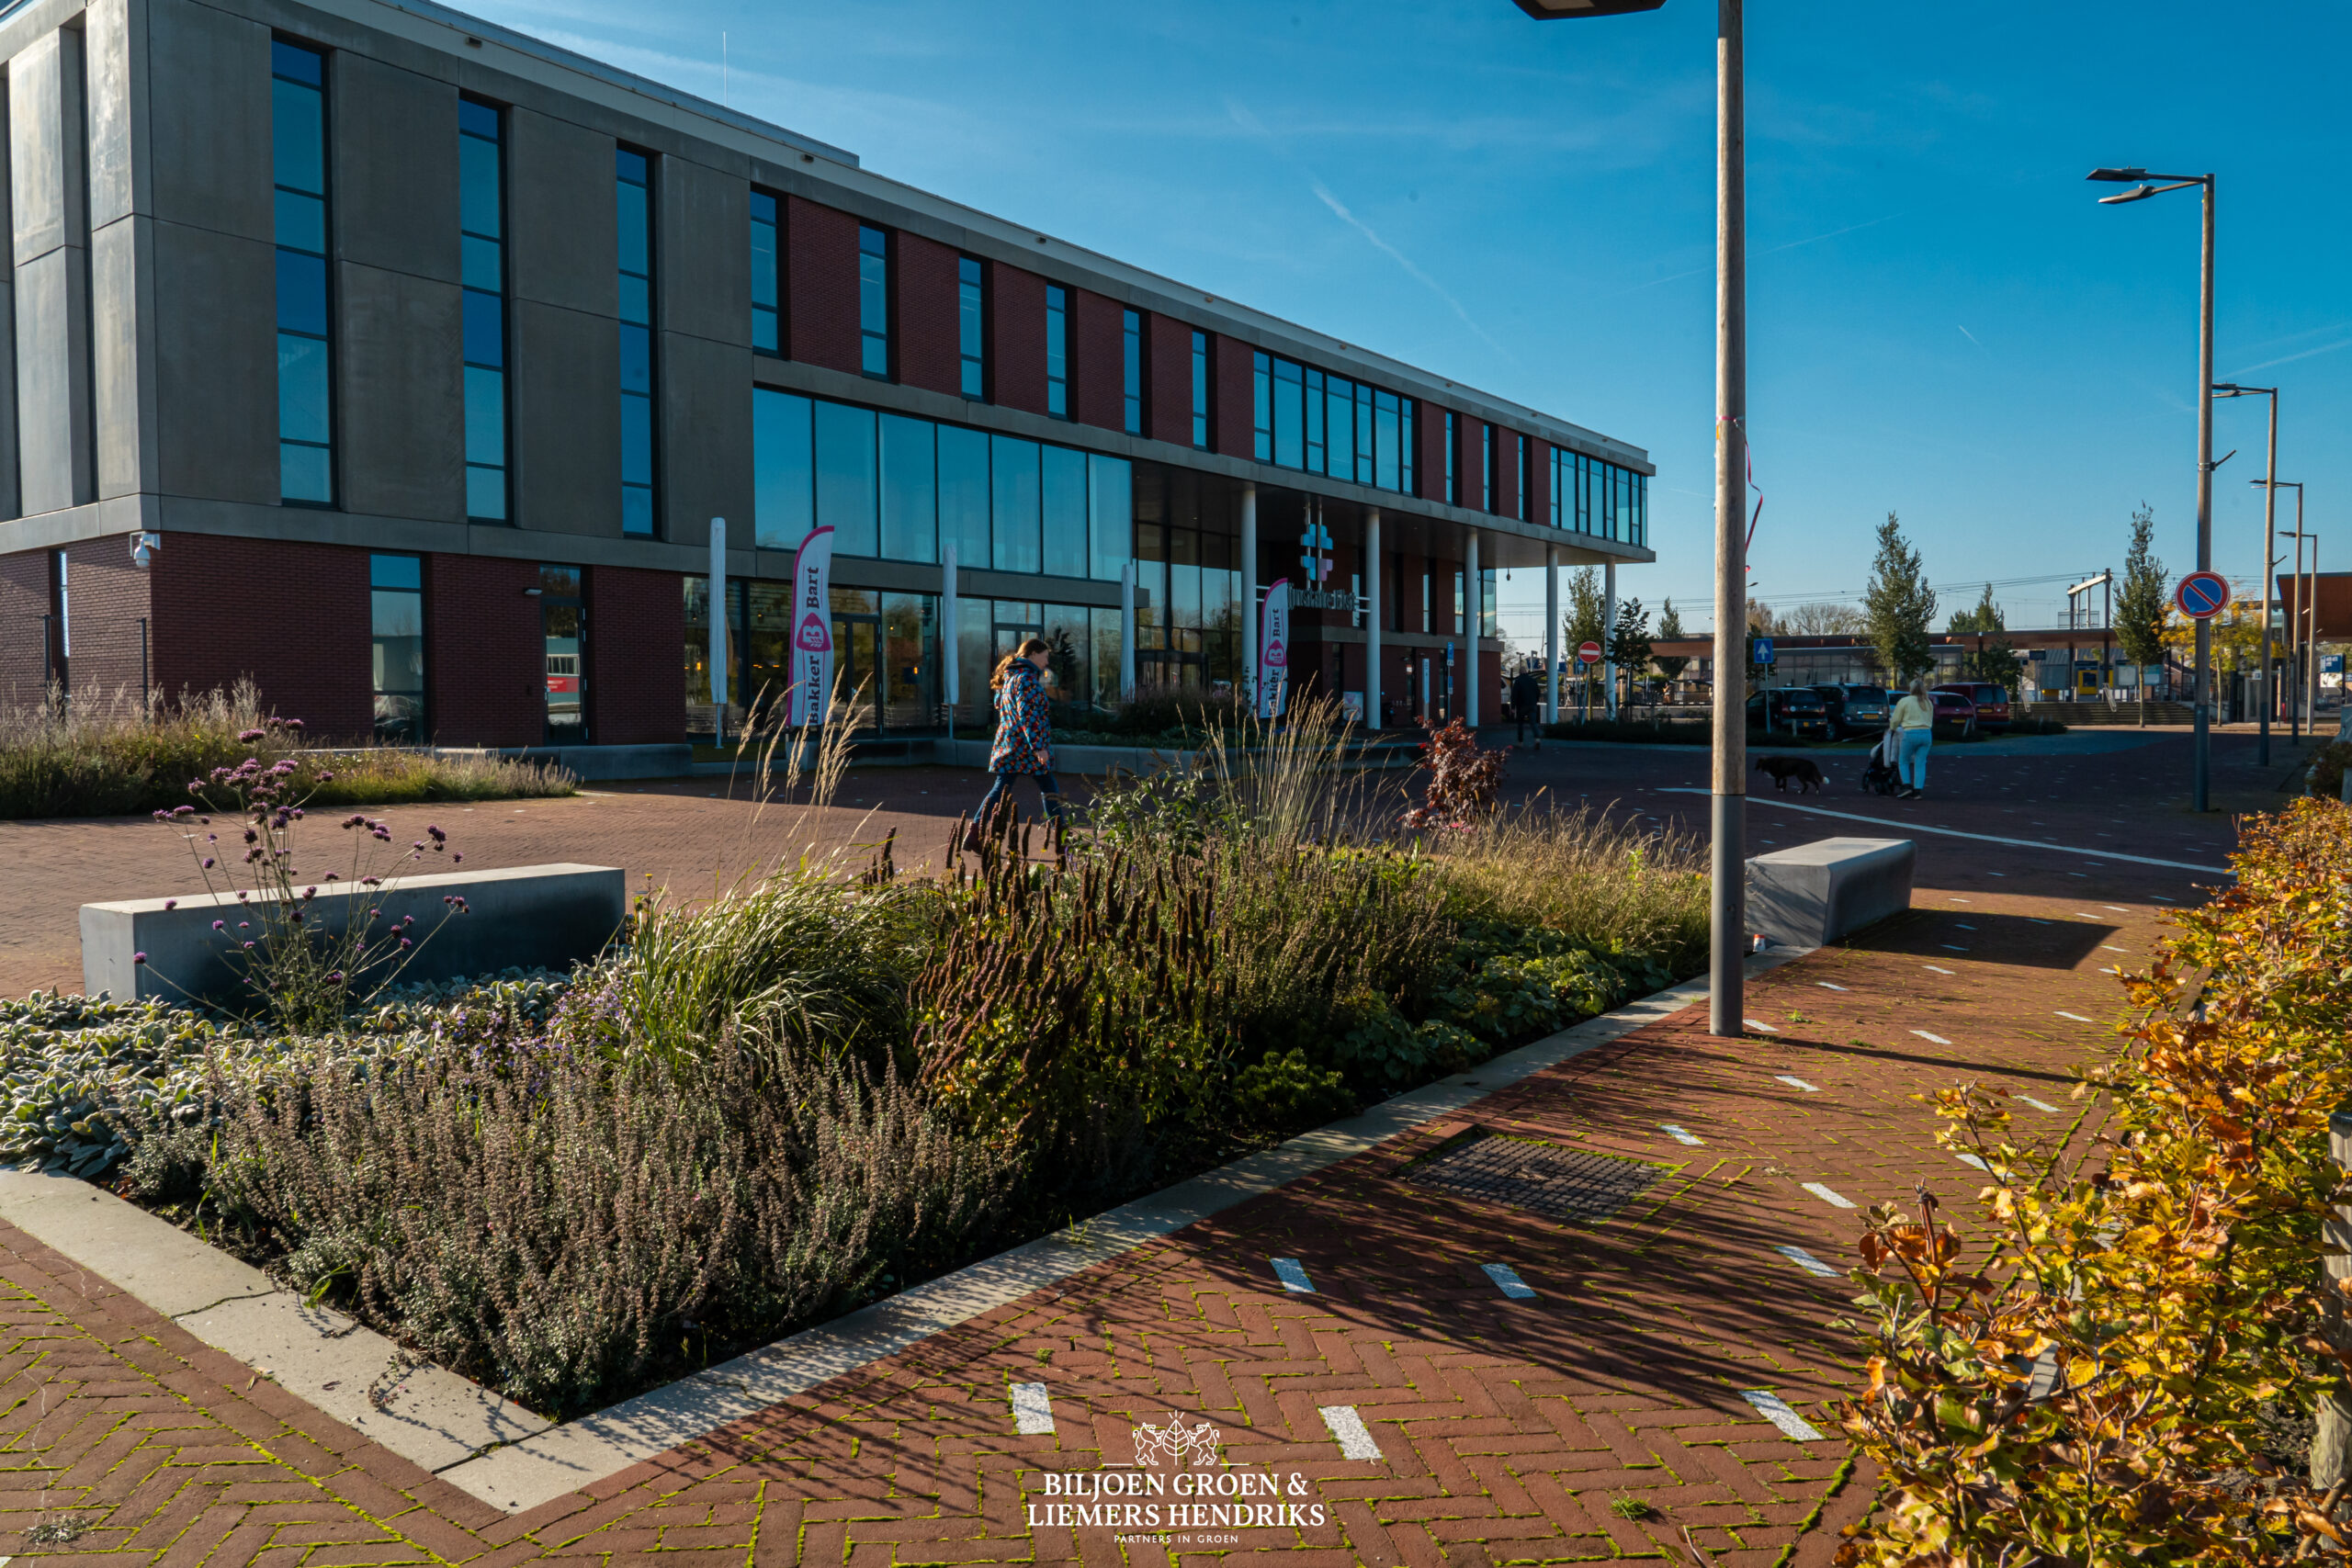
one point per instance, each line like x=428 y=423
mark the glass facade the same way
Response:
x=767 y=274
x=1329 y=425
x=1519 y=466
x=1188 y=607
x=896 y=487
x=396 y=611
x=1590 y=496
x=1057 y=351
x=874 y=301
x=632 y=188
x=482 y=229
x=1485 y=468
x=1131 y=372
x=1200 y=390
x=563 y=622
x=971 y=327
x=297 y=104
x=1489 y=619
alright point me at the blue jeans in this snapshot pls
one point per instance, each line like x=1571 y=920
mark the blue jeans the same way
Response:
x=1000 y=788
x=1912 y=765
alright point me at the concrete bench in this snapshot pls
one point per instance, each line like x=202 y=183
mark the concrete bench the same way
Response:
x=531 y=917
x=1816 y=893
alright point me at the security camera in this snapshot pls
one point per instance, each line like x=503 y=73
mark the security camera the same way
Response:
x=143 y=548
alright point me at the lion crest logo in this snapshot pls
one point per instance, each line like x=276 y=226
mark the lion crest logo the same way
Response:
x=1175 y=1443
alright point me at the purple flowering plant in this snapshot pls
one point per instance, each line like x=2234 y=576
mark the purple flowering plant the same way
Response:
x=306 y=965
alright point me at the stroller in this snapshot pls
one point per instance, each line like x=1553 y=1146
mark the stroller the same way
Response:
x=1880 y=777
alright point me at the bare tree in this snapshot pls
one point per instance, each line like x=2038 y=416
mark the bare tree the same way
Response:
x=1823 y=619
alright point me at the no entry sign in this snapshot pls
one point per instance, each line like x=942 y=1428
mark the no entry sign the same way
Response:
x=2201 y=595
x=1589 y=652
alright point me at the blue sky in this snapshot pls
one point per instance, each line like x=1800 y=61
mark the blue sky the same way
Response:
x=1943 y=323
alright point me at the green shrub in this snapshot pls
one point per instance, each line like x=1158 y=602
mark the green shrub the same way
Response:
x=2326 y=779
x=1284 y=1090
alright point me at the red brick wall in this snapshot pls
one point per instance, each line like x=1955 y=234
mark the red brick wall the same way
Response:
x=485 y=657
x=1506 y=472
x=1234 y=419
x=1539 y=470
x=1098 y=360
x=107 y=600
x=292 y=615
x=637 y=637
x=1466 y=458
x=1168 y=370
x=24 y=600
x=1017 y=340
x=1428 y=463
x=930 y=352
x=820 y=277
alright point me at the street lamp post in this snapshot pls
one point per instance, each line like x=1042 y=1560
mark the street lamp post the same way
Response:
x=1727 y=855
x=2269 y=484
x=2143 y=185
x=2294 y=607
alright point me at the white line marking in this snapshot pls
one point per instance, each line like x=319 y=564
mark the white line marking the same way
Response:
x=1508 y=1282
x=1931 y=1039
x=1938 y=968
x=1293 y=1277
x=1972 y=1162
x=1995 y=839
x=1354 y=1439
x=1827 y=986
x=1796 y=1083
x=1677 y=1134
x=2078 y=1018
x=1776 y=1410
x=1829 y=1195
x=2085 y=914
x=2117 y=908
x=2109 y=947
x=2039 y=1104
x=1806 y=1261
x=1761 y=1028
x=1033 y=1409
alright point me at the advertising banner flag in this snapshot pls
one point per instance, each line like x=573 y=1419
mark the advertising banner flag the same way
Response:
x=1273 y=650
x=812 y=645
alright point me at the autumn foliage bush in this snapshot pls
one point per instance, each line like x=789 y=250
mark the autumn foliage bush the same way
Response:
x=2090 y=1371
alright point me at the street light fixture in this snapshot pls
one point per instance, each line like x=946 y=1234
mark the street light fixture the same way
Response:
x=1727 y=859
x=2269 y=543
x=2157 y=185
x=2300 y=601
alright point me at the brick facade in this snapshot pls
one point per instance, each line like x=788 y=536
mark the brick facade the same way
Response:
x=485 y=657
x=1168 y=379
x=820 y=279
x=1017 y=339
x=109 y=607
x=1539 y=470
x=1506 y=472
x=1234 y=416
x=24 y=601
x=1428 y=461
x=637 y=634
x=929 y=340
x=1098 y=360
x=292 y=615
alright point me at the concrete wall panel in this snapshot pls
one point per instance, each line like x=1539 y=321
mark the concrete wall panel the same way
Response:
x=209 y=132
x=121 y=388
x=46 y=171
x=559 y=212
x=703 y=252
x=400 y=395
x=115 y=36
x=567 y=421
x=706 y=439
x=53 y=403
x=216 y=365
x=394 y=189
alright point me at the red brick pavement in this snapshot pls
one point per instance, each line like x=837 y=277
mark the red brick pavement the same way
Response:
x=1507 y=1428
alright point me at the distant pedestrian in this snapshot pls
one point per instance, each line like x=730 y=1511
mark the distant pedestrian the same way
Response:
x=1526 y=695
x=1024 y=734
x=1912 y=726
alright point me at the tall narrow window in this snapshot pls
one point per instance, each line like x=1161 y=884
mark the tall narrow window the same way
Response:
x=563 y=622
x=1057 y=351
x=1453 y=459
x=971 y=326
x=1200 y=390
x=632 y=186
x=299 y=164
x=874 y=301
x=1130 y=373
x=482 y=241
x=1405 y=445
x=767 y=328
x=396 y=609
x=1485 y=468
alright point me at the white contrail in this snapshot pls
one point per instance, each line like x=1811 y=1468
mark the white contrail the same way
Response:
x=1401 y=259
x=2291 y=359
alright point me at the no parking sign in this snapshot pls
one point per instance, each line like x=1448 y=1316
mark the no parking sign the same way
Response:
x=2201 y=595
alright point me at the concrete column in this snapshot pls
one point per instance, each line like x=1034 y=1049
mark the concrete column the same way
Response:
x=1551 y=634
x=1249 y=596
x=1371 y=619
x=1474 y=604
x=51 y=224
x=1609 y=630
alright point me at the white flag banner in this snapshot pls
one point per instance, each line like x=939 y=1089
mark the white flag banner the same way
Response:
x=1273 y=650
x=812 y=629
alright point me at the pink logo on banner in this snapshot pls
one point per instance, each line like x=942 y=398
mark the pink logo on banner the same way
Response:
x=1277 y=656
x=815 y=635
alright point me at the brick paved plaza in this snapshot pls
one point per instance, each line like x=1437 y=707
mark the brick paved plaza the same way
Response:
x=1505 y=1428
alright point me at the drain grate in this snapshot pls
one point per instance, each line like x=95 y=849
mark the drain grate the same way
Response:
x=1544 y=1178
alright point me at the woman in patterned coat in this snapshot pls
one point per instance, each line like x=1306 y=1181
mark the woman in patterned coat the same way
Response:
x=1024 y=731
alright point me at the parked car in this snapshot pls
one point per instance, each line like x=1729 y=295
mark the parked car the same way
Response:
x=1789 y=710
x=1992 y=703
x=1855 y=710
x=1956 y=713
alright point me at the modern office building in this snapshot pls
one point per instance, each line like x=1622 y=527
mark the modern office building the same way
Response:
x=401 y=362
